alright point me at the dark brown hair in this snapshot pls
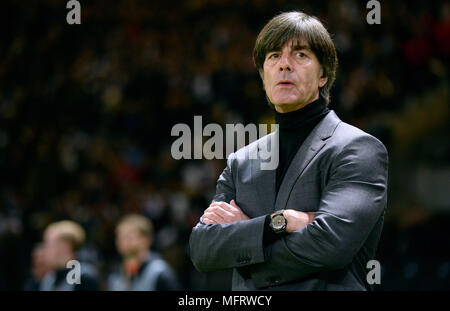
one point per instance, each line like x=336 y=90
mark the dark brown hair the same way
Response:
x=298 y=25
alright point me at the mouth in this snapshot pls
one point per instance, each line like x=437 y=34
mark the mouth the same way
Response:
x=285 y=83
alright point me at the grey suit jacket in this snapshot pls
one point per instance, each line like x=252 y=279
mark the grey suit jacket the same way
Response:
x=340 y=173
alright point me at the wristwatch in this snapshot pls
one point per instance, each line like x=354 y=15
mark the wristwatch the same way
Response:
x=278 y=222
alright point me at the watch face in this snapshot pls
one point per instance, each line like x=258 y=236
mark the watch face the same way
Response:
x=278 y=222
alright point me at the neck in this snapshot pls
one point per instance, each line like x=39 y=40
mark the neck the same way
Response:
x=139 y=257
x=133 y=265
x=298 y=119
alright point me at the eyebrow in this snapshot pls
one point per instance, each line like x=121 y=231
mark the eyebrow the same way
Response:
x=294 y=47
x=300 y=47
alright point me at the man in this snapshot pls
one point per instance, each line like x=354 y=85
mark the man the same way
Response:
x=62 y=240
x=314 y=222
x=39 y=268
x=140 y=270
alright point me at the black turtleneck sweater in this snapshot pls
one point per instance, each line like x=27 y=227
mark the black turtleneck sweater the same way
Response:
x=294 y=127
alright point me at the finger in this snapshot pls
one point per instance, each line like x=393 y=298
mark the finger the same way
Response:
x=237 y=210
x=214 y=217
x=222 y=212
x=221 y=204
x=218 y=209
x=233 y=204
x=216 y=203
x=208 y=221
x=227 y=207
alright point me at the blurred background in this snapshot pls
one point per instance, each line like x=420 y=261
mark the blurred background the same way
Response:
x=86 y=113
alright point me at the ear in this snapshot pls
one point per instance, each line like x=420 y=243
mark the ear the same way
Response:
x=322 y=81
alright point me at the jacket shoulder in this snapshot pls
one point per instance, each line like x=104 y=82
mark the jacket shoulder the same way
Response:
x=250 y=151
x=347 y=135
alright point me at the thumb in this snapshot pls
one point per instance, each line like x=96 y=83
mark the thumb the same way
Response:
x=232 y=202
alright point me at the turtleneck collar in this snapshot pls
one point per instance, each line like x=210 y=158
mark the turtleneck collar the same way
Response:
x=295 y=120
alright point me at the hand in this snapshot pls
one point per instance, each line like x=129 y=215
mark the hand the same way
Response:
x=297 y=220
x=223 y=213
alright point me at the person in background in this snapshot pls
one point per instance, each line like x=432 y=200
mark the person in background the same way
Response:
x=140 y=270
x=39 y=268
x=62 y=240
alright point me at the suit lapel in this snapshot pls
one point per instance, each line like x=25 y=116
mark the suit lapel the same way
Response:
x=264 y=179
x=315 y=141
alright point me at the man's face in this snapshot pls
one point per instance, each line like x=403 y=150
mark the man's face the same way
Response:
x=56 y=249
x=292 y=76
x=40 y=264
x=130 y=242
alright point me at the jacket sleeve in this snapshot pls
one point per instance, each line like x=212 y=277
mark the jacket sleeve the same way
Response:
x=351 y=204
x=223 y=246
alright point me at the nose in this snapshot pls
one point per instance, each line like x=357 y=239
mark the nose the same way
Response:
x=285 y=64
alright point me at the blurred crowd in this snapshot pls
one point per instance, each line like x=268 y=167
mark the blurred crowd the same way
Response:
x=86 y=113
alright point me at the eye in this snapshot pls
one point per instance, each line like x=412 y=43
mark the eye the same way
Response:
x=273 y=55
x=301 y=54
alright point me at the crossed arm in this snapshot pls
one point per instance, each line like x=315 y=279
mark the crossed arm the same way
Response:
x=351 y=205
x=224 y=213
